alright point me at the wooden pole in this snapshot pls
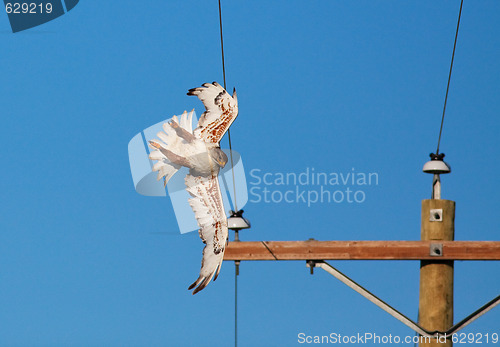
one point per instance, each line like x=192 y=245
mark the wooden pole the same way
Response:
x=436 y=276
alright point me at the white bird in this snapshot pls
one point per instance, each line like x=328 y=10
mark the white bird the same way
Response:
x=199 y=150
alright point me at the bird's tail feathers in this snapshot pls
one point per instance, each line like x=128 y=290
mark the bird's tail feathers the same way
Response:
x=165 y=170
x=168 y=139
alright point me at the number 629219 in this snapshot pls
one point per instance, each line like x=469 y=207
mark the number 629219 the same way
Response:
x=28 y=8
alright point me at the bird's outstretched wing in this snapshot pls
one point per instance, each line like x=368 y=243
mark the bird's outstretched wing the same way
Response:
x=208 y=208
x=221 y=111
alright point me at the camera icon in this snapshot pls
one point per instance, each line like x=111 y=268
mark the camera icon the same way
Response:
x=145 y=181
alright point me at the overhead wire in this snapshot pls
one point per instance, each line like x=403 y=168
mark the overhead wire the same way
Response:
x=236 y=263
x=236 y=273
x=224 y=80
x=449 y=76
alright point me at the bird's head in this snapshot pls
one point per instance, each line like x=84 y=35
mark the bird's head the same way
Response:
x=218 y=156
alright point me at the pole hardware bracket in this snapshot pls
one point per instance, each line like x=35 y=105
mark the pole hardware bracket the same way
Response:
x=436 y=249
x=436 y=215
x=396 y=314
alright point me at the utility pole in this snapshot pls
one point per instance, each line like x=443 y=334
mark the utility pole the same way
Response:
x=436 y=276
x=437 y=250
x=435 y=307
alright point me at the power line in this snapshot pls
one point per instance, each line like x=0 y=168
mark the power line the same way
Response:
x=228 y=130
x=449 y=76
x=222 y=46
x=236 y=273
x=236 y=263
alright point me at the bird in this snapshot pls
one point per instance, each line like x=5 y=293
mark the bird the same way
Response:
x=199 y=150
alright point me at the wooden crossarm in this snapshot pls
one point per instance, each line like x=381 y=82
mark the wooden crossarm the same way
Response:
x=361 y=250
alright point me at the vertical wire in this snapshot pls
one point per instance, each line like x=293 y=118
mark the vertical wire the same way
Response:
x=236 y=273
x=222 y=46
x=236 y=265
x=449 y=76
x=228 y=130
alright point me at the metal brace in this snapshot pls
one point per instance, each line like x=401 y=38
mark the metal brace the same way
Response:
x=396 y=314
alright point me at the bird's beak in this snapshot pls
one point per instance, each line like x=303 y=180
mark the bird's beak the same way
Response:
x=221 y=163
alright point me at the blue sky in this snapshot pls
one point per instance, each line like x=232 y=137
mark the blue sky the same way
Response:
x=329 y=85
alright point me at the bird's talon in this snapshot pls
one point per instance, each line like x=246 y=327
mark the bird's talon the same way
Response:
x=154 y=144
